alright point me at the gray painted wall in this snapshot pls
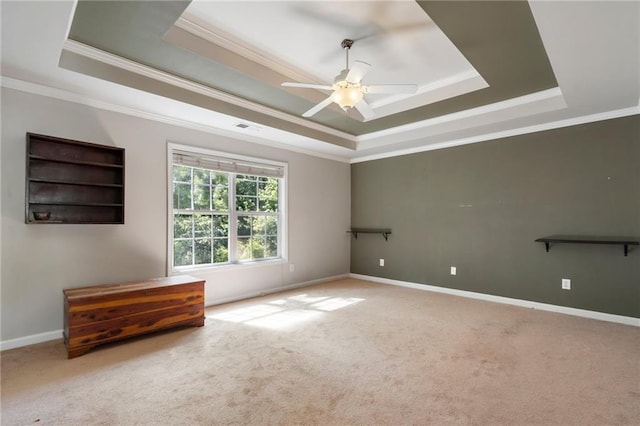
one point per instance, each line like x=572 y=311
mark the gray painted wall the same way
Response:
x=480 y=207
x=39 y=261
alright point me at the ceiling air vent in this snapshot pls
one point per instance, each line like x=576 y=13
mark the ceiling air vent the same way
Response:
x=245 y=126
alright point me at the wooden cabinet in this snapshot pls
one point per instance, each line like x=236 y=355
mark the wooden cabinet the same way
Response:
x=73 y=182
x=101 y=314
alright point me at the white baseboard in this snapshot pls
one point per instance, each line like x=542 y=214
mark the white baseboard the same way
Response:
x=30 y=340
x=274 y=290
x=57 y=334
x=620 y=319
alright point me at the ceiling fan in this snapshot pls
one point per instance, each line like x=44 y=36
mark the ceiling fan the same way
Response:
x=348 y=90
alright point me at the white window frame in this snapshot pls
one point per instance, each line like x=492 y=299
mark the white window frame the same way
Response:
x=283 y=223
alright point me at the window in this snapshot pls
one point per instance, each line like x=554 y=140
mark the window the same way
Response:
x=224 y=210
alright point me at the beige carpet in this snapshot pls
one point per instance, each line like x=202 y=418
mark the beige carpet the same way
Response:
x=342 y=353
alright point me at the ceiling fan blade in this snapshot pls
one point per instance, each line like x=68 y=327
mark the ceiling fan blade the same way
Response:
x=364 y=109
x=391 y=88
x=358 y=70
x=307 y=85
x=318 y=107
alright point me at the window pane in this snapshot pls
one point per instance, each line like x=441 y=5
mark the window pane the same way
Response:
x=243 y=248
x=268 y=195
x=244 y=225
x=246 y=204
x=271 y=226
x=201 y=197
x=182 y=254
x=220 y=178
x=268 y=205
x=182 y=174
x=257 y=249
x=271 y=248
x=204 y=237
x=203 y=251
x=221 y=250
x=246 y=187
x=201 y=177
x=258 y=225
x=182 y=226
x=182 y=196
x=202 y=225
x=221 y=226
x=220 y=198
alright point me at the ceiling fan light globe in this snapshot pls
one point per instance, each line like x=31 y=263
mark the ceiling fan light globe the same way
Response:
x=347 y=96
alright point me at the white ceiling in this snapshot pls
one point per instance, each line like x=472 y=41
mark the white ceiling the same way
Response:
x=399 y=40
x=593 y=47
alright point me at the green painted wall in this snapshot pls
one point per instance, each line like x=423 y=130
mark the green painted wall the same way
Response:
x=480 y=207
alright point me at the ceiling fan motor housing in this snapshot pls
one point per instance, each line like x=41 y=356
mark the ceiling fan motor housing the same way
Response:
x=346 y=43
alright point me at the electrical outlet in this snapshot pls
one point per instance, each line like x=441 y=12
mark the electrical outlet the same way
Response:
x=566 y=284
x=292 y=267
x=453 y=270
x=381 y=262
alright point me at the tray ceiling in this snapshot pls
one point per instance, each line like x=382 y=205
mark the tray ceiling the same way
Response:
x=482 y=67
x=498 y=41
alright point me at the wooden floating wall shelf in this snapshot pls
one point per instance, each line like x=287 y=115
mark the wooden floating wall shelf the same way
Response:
x=572 y=239
x=384 y=231
x=70 y=181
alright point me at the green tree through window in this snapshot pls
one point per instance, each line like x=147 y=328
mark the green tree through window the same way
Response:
x=207 y=232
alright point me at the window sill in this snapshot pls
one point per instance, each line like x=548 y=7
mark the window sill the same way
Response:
x=229 y=266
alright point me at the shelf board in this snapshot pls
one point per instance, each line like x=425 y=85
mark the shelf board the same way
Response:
x=76 y=162
x=59 y=222
x=583 y=239
x=71 y=203
x=384 y=231
x=78 y=183
x=45 y=221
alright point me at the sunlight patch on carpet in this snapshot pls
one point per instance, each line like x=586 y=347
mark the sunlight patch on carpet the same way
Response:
x=285 y=319
x=247 y=314
x=281 y=314
x=336 y=303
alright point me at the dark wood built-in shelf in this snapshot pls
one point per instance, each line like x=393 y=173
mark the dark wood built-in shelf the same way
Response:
x=73 y=182
x=68 y=182
x=384 y=231
x=77 y=162
x=577 y=239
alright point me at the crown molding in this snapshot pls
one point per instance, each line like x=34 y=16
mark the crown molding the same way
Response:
x=65 y=95
x=192 y=24
x=135 y=67
x=455 y=85
x=574 y=121
x=520 y=101
x=430 y=87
